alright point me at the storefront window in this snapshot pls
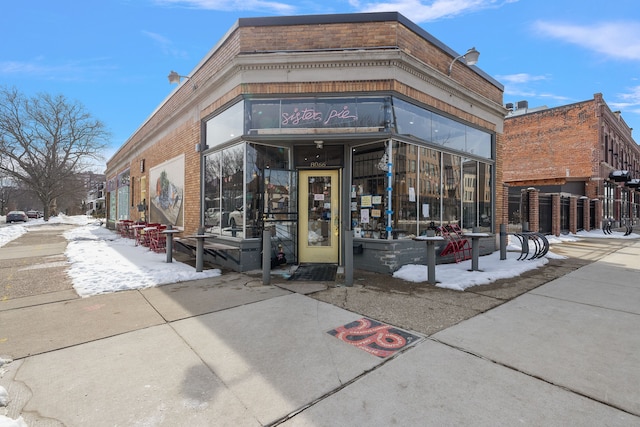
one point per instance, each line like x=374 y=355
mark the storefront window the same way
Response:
x=451 y=175
x=469 y=194
x=214 y=216
x=225 y=126
x=237 y=199
x=123 y=195
x=429 y=197
x=412 y=120
x=270 y=191
x=232 y=186
x=484 y=197
x=418 y=122
x=405 y=203
x=223 y=191
x=478 y=143
x=368 y=193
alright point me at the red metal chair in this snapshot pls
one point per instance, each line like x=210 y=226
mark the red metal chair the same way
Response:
x=125 y=228
x=457 y=245
x=157 y=239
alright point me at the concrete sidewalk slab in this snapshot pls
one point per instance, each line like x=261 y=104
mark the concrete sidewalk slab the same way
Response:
x=187 y=299
x=47 y=327
x=607 y=272
x=594 y=351
x=435 y=385
x=276 y=355
x=49 y=297
x=586 y=289
x=16 y=251
x=425 y=315
x=146 y=377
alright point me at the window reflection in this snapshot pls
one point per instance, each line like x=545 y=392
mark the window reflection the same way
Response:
x=270 y=191
x=404 y=189
x=451 y=175
x=415 y=121
x=429 y=208
x=223 y=191
x=469 y=194
x=484 y=197
x=237 y=199
x=429 y=189
x=368 y=190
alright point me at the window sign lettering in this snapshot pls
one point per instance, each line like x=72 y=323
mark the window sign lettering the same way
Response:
x=317 y=113
x=332 y=116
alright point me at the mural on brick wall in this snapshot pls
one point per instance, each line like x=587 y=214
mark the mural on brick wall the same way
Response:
x=166 y=190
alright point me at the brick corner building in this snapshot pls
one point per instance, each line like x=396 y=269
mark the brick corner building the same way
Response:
x=323 y=130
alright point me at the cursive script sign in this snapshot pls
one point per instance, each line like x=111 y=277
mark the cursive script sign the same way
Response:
x=311 y=116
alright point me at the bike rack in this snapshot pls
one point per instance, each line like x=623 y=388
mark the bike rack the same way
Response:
x=538 y=249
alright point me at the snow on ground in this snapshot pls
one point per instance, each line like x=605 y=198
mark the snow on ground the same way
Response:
x=101 y=261
x=458 y=276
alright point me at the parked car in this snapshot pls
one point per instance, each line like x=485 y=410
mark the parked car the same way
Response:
x=34 y=214
x=15 y=216
x=212 y=217
x=236 y=217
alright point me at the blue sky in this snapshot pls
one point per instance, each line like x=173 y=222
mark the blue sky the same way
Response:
x=114 y=55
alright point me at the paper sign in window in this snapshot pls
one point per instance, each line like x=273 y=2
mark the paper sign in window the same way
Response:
x=364 y=216
x=425 y=210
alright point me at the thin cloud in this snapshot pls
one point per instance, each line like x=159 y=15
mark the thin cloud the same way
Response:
x=522 y=86
x=68 y=71
x=165 y=45
x=229 y=6
x=619 y=40
x=629 y=101
x=421 y=12
x=520 y=78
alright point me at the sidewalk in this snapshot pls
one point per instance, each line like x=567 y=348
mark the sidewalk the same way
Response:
x=227 y=351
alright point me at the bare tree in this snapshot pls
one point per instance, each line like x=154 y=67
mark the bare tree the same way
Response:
x=45 y=140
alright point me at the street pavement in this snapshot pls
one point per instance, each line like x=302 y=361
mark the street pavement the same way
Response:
x=557 y=346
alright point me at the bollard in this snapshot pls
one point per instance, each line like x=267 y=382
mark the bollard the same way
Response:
x=431 y=240
x=266 y=257
x=200 y=250
x=169 y=243
x=431 y=258
x=503 y=242
x=475 y=253
x=348 y=258
x=475 y=248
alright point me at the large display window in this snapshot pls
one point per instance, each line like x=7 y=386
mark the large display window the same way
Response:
x=419 y=189
x=246 y=184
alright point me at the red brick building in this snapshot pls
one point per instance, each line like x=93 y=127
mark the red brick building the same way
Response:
x=568 y=153
x=318 y=128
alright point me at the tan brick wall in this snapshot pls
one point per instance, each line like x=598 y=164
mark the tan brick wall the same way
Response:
x=169 y=147
x=363 y=35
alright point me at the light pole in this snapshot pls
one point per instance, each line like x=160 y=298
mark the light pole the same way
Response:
x=470 y=58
